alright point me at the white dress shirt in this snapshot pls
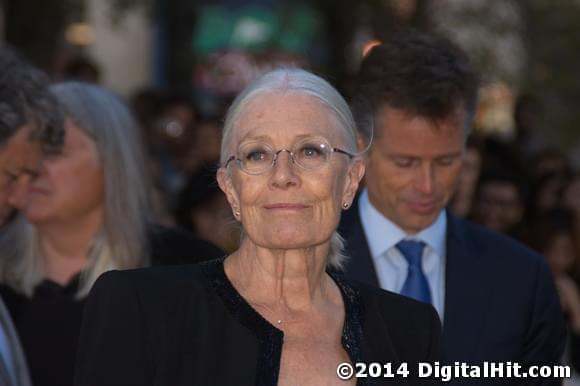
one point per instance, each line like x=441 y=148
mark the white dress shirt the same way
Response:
x=382 y=237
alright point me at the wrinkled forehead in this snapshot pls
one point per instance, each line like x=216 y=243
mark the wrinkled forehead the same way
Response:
x=283 y=117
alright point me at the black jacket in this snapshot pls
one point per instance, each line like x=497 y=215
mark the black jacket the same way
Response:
x=187 y=325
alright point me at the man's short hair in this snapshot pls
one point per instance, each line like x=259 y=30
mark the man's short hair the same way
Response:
x=25 y=100
x=422 y=74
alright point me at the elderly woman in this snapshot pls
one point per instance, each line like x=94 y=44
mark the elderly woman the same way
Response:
x=88 y=211
x=272 y=312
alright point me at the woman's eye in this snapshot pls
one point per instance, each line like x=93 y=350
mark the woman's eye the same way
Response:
x=256 y=156
x=310 y=151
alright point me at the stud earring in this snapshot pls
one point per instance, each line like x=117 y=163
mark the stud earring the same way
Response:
x=345 y=205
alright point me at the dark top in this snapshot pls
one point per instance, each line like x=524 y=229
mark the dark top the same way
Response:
x=49 y=322
x=189 y=326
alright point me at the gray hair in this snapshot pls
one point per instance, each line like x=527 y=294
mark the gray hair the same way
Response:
x=305 y=83
x=121 y=243
x=25 y=100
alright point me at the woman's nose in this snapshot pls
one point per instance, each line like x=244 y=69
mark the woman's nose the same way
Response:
x=284 y=171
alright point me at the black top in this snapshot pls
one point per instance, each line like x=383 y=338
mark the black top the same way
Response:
x=49 y=322
x=188 y=325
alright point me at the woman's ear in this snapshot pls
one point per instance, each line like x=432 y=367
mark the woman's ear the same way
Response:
x=225 y=183
x=353 y=179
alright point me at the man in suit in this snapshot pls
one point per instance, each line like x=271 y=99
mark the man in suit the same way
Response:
x=30 y=123
x=414 y=103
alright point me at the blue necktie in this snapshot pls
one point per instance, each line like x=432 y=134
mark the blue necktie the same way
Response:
x=416 y=285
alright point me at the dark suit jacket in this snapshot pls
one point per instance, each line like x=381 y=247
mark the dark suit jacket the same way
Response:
x=500 y=300
x=187 y=325
x=21 y=377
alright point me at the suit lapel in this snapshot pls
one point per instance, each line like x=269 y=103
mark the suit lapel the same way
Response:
x=4 y=376
x=466 y=298
x=22 y=377
x=359 y=266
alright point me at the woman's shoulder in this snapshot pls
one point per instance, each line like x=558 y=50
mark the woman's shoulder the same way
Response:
x=155 y=282
x=177 y=246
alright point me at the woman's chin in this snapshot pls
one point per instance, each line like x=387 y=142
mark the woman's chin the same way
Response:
x=288 y=238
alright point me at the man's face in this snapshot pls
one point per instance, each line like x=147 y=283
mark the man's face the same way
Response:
x=19 y=159
x=413 y=166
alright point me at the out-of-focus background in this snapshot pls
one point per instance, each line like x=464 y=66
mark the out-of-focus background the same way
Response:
x=209 y=49
x=179 y=63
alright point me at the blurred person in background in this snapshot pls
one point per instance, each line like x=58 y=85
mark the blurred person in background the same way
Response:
x=203 y=209
x=88 y=211
x=175 y=140
x=571 y=194
x=30 y=123
x=549 y=162
x=206 y=148
x=546 y=192
x=80 y=68
x=497 y=154
x=147 y=106
x=571 y=200
x=553 y=235
x=500 y=202
x=184 y=142
x=529 y=123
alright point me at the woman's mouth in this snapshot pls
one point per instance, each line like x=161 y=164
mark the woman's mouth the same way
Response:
x=285 y=206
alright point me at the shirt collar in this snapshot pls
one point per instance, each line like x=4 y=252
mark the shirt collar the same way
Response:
x=434 y=234
x=382 y=234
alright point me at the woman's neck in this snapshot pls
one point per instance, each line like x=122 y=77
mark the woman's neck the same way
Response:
x=284 y=283
x=65 y=246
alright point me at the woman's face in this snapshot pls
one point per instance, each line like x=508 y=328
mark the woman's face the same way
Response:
x=70 y=185
x=289 y=207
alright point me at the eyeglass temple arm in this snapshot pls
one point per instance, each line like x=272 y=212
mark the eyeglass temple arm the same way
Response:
x=337 y=150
